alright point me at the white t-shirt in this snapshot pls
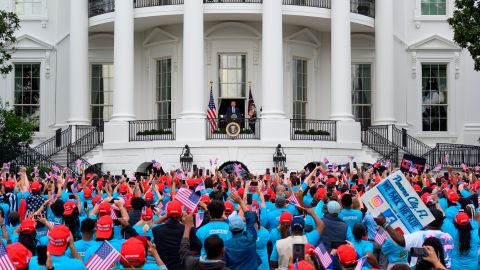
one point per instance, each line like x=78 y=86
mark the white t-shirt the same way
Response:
x=416 y=239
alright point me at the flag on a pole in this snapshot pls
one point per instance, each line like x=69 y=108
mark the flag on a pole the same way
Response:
x=360 y=263
x=188 y=198
x=325 y=160
x=446 y=157
x=156 y=165
x=295 y=266
x=200 y=187
x=437 y=168
x=5 y=262
x=293 y=199
x=212 y=112
x=251 y=103
x=198 y=219
x=323 y=255
x=477 y=168
x=463 y=166
x=388 y=163
x=103 y=258
x=381 y=236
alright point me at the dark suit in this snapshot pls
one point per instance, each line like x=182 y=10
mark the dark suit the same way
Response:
x=230 y=110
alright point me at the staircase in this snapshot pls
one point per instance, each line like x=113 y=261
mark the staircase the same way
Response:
x=60 y=158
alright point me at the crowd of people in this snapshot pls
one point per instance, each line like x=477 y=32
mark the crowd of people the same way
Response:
x=309 y=219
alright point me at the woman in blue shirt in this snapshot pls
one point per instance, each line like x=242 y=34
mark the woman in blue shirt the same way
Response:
x=362 y=246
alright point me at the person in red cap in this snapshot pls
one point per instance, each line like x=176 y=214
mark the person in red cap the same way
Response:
x=167 y=236
x=104 y=232
x=229 y=208
x=35 y=200
x=145 y=224
x=59 y=239
x=71 y=213
x=347 y=256
x=452 y=204
x=134 y=255
x=283 y=229
x=19 y=255
x=10 y=197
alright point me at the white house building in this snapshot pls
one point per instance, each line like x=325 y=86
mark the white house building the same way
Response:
x=319 y=71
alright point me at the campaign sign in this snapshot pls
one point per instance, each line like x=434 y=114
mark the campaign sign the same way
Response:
x=412 y=162
x=395 y=199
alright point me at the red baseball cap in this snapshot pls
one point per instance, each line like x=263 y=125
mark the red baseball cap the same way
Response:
x=68 y=208
x=346 y=255
x=105 y=227
x=87 y=193
x=241 y=191
x=462 y=219
x=321 y=193
x=286 y=218
x=205 y=198
x=28 y=226
x=301 y=265
x=417 y=188
x=426 y=198
x=228 y=208
x=58 y=240
x=35 y=186
x=133 y=252
x=104 y=208
x=149 y=196
x=174 y=209
x=128 y=203
x=191 y=182
x=123 y=189
x=147 y=214
x=9 y=184
x=96 y=199
x=19 y=255
x=452 y=196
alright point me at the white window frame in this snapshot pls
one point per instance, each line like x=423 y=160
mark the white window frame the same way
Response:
x=420 y=17
x=90 y=87
x=372 y=83
x=433 y=105
x=307 y=86
x=42 y=16
x=14 y=104
x=157 y=101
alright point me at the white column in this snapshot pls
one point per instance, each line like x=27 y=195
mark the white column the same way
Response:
x=341 y=76
x=79 y=80
x=272 y=60
x=193 y=61
x=384 y=81
x=123 y=91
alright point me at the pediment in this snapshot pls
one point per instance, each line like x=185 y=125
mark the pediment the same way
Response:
x=27 y=42
x=305 y=36
x=232 y=30
x=435 y=42
x=159 y=36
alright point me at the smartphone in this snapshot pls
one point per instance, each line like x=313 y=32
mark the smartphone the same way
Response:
x=355 y=164
x=42 y=255
x=249 y=199
x=200 y=172
x=298 y=252
x=446 y=175
x=195 y=167
x=71 y=197
x=418 y=252
x=104 y=182
x=274 y=170
x=267 y=171
x=208 y=172
x=123 y=171
x=7 y=175
x=85 y=205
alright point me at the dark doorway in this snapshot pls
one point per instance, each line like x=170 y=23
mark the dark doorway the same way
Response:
x=224 y=103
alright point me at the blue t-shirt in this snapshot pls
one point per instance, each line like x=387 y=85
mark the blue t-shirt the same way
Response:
x=81 y=246
x=262 y=240
x=466 y=261
x=371 y=226
x=139 y=230
x=362 y=247
x=116 y=244
x=319 y=209
x=350 y=216
x=59 y=262
x=219 y=228
x=275 y=235
x=394 y=252
x=273 y=217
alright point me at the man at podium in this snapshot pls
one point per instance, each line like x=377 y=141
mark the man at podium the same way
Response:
x=233 y=109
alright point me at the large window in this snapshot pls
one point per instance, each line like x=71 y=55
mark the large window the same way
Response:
x=27 y=91
x=232 y=75
x=299 y=88
x=362 y=93
x=28 y=7
x=434 y=97
x=164 y=90
x=434 y=7
x=102 y=93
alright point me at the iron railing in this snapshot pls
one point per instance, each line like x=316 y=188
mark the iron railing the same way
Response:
x=29 y=157
x=154 y=3
x=151 y=130
x=308 y=3
x=363 y=7
x=50 y=147
x=313 y=130
x=233 y=1
x=381 y=145
x=458 y=154
x=408 y=143
x=381 y=130
x=99 y=7
x=81 y=146
x=249 y=129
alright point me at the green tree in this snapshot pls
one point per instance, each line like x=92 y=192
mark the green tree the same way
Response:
x=466 y=27
x=9 y=23
x=15 y=129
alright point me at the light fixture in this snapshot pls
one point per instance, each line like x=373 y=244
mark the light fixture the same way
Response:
x=279 y=158
x=186 y=159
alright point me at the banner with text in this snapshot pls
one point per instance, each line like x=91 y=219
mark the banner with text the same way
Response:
x=395 y=199
x=411 y=162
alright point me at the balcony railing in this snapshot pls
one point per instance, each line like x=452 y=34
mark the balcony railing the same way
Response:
x=363 y=7
x=313 y=130
x=98 y=7
x=458 y=154
x=151 y=130
x=308 y=3
x=249 y=129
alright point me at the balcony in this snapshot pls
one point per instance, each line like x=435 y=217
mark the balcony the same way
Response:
x=151 y=130
x=249 y=129
x=363 y=7
x=313 y=130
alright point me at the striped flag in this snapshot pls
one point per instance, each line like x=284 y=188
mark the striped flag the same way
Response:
x=199 y=219
x=295 y=266
x=437 y=168
x=360 y=263
x=477 y=168
x=293 y=199
x=103 y=258
x=388 y=163
x=323 y=255
x=188 y=198
x=200 y=187
x=212 y=112
x=463 y=166
x=446 y=157
x=5 y=262
x=325 y=160
x=113 y=214
x=381 y=236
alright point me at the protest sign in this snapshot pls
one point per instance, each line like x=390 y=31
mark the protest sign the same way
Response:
x=411 y=162
x=395 y=199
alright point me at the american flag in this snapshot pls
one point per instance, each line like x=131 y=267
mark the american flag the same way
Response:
x=446 y=157
x=463 y=166
x=74 y=188
x=477 y=168
x=323 y=255
x=188 y=198
x=199 y=219
x=103 y=258
x=156 y=164
x=381 y=236
x=5 y=262
x=295 y=266
x=360 y=263
x=200 y=186
x=293 y=199
x=388 y=163
x=325 y=160
x=212 y=112
x=437 y=168
x=78 y=163
x=113 y=214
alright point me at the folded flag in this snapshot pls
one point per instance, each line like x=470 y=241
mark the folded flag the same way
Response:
x=199 y=219
x=103 y=258
x=323 y=255
x=360 y=263
x=200 y=187
x=5 y=262
x=437 y=168
x=293 y=199
x=188 y=198
x=381 y=236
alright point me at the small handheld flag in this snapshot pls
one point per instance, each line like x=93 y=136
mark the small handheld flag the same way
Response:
x=323 y=255
x=360 y=263
x=5 y=262
x=293 y=199
x=103 y=258
x=188 y=198
x=381 y=236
